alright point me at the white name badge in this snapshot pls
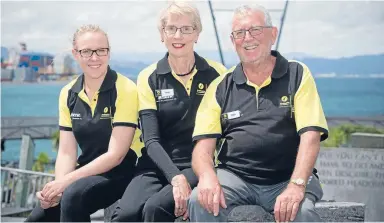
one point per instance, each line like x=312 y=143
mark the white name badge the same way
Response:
x=166 y=94
x=233 y=115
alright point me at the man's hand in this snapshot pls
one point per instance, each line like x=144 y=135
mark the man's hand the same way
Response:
x=53 y=189
x=211 y=195
x=288 y=203
x=181 y=192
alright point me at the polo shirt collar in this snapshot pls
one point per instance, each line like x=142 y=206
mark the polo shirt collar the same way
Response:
x=164 y=68
x=108 y=82
x=280 y=69
x=281 y=66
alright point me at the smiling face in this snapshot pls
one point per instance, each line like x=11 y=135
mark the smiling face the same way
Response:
x=94 y=66
x=181 y=42
x=252 y=49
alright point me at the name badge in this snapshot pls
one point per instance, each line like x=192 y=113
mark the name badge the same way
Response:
x=232 y=115
x=165 y=94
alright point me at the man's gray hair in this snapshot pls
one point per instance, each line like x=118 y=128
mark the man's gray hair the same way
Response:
x=246 y=9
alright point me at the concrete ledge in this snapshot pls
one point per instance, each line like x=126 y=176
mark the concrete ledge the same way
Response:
x=341 y=211
x=328 y=211
x=367 y=140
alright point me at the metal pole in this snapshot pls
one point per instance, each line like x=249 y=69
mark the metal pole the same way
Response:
x=217 y=35
x=282 y=24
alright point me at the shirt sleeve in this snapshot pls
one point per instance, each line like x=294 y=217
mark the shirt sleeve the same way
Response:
x=208 y=123
x=150 y=125
x=156 y=152
x=146 y=97
x=220 y=68
x=126 y=113
x=65 y=122
x=309 y=113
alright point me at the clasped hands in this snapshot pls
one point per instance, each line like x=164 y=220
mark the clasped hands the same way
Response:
x=51 y=194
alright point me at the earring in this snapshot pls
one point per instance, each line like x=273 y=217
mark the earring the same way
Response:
x=162 y=40
x=196 y=41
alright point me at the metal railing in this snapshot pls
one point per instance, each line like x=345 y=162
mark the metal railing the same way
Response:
x=18 y=187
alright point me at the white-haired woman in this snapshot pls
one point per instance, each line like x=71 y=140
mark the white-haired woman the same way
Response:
x=98 y=112
x=170 y=92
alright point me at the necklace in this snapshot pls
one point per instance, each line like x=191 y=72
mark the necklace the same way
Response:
x=193 y=67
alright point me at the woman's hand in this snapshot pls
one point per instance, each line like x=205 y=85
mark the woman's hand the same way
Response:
x=46 y=204
x=181 y=192
x=53 y=189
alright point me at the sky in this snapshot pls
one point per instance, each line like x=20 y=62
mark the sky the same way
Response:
x=331 y=29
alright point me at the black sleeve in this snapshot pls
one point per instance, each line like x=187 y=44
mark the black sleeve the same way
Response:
x=151 y=134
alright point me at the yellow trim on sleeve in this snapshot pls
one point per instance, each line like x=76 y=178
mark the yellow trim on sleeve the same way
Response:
x=127 y=105
x=146 y=98
x=64 y=114
x=220 y=68
x=308 y=108
x=126 y=101
x=137 y=145
x=209 y=113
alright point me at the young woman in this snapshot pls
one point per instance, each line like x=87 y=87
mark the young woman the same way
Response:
x=98 y=112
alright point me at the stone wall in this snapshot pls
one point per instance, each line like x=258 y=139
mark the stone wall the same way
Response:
x=354 y=175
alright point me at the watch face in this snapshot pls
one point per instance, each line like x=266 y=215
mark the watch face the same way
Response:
x=300 y=181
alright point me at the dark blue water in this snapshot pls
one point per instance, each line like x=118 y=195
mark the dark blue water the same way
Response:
x=339 y=96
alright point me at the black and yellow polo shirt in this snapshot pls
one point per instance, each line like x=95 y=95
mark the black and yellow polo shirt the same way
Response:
x=92 y=121
x=167 y=109
x=261 y=125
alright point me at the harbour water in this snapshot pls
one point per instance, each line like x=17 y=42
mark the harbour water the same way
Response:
x=346 y=97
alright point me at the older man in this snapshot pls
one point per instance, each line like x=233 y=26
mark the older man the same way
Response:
x=269 y=117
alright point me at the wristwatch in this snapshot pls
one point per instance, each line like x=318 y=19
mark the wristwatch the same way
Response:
x=298 y=182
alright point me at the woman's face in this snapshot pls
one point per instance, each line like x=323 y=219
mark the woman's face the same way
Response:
x=179 y=35
x=91 y=51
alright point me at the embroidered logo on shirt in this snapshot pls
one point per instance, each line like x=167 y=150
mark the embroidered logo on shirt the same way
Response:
x=106 y=115
x=284 y=102
x=201 y=88
x=75 y=116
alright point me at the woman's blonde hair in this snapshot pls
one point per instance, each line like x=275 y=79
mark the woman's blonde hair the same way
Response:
x=180 y=8
x=87 y=28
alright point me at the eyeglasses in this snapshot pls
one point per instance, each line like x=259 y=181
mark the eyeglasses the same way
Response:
x=170 y=30
x=88 y=52
x=254 y=31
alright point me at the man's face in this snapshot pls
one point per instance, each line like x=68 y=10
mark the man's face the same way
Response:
x=257 y=43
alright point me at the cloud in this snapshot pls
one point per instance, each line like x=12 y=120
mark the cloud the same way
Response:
x=321 y=28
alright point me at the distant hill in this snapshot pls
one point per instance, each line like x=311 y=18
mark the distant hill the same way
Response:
x=132 y=64
x=128 y=68
x=362 y=65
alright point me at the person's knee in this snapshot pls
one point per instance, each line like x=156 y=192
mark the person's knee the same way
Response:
x=193 y=202
x=306 y=212
x=151 y=207
x=193 y=198
x=127 y=214
x=72 y=196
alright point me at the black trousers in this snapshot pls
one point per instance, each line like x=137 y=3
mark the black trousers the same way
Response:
x=149 y=196
x=89 y=194
x=81 y=199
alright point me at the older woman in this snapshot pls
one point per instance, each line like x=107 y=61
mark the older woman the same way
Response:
x=98 y=112
x=170 y=92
